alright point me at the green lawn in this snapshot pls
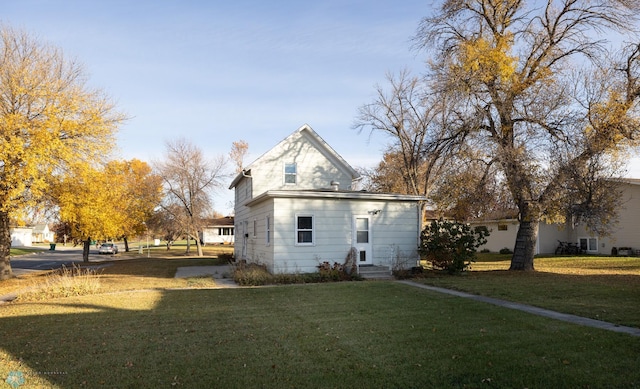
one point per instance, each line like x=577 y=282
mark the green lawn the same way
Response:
x=146 y=331
x=603 y=288
x=343 y=335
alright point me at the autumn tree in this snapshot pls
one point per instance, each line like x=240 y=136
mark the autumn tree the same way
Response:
x=87 y=207
x=49 y=119
x=189 y=180
x=140 y=193
x=510 y=66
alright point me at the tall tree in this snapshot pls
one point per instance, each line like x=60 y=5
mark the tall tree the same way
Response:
x=49 y=119
x=141 y=193
x=509 y=63
x=91 y=211
x=189 y=181
x=423 y=135
x=239 y=150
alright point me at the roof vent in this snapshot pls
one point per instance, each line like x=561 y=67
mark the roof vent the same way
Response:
x=335 y=186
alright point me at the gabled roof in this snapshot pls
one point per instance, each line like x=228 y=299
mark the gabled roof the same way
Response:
x=322 y=146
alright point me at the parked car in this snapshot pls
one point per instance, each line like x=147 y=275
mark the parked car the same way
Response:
x=108 y=248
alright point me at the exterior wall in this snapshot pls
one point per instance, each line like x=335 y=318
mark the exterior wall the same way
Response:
x=625 y=233
x=548 y=236
x=499 y=239
x=210 y=235
x=394 y=232
x=21 y=236
x=316 y=168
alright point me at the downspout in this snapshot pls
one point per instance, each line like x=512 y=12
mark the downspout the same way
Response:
x=420 y=208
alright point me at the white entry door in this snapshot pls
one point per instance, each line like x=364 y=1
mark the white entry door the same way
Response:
x=362 y=239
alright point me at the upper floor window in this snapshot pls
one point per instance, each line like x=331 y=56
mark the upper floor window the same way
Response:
x=290 y=173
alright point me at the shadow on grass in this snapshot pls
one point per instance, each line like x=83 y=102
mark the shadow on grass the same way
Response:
x=356 y=335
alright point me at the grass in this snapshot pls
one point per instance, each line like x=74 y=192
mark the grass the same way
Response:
x=344 y=335
x=603 y=288
x=148 y=332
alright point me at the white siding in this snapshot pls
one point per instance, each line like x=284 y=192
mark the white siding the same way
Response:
x=394 y=232
x=316 y=168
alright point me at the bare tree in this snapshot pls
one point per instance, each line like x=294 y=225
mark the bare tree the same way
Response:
x=189 y=181
x=239 y=150
x=509 y=66
x=423 y=135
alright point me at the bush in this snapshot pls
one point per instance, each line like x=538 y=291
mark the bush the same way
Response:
x=505 y=251
x=450 y=245
x=251 y=274
x=65 y=282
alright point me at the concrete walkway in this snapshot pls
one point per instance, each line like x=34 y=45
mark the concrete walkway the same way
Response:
x=533 y=310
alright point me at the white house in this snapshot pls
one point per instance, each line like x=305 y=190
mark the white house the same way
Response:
x=296 y=207
x=42 y=234
x=218 y=231
x=624 y=234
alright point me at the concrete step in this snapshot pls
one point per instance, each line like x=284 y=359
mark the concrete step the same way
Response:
x=375 y=272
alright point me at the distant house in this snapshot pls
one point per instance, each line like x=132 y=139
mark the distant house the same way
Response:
x=42 y=234
x=21 y=236
x=296 y=207
x=218 y=231
x=625 y=234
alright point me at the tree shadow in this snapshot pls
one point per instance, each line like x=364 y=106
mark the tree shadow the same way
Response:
x=110 y=343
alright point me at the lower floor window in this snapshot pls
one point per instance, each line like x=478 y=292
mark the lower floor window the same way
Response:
x=589 y=244
x=304 y=229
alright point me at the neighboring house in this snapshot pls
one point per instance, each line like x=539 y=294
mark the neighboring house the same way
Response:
x=218 y=231
x=624 y=234
x=295 y=208
x=42 y=234
x=21 y=236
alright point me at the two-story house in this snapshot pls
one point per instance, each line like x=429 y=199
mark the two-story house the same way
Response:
x=296 y=207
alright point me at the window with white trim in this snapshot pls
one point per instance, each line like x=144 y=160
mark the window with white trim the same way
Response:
x=588 y=245
x=290 y=173
x=304 y=230
x=268 y=230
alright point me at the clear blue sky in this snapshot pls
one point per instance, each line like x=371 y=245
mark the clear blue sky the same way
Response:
x=219 y=71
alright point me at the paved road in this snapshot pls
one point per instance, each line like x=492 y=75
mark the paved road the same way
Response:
x=48 y=260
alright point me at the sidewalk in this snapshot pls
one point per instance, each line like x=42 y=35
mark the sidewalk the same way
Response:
x=579 y=320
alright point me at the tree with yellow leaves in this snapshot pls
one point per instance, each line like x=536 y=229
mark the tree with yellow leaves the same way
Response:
x=510 y=66
x=107 y=203
x=49 y=120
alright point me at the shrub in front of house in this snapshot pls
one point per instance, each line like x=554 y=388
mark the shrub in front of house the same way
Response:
x=450 y=245
x=253 y=274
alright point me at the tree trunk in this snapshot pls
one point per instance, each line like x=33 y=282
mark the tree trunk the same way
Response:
x=126 y=245
x=525 y=247
x=85 y=250
x=5 y=247
x=199 y=248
